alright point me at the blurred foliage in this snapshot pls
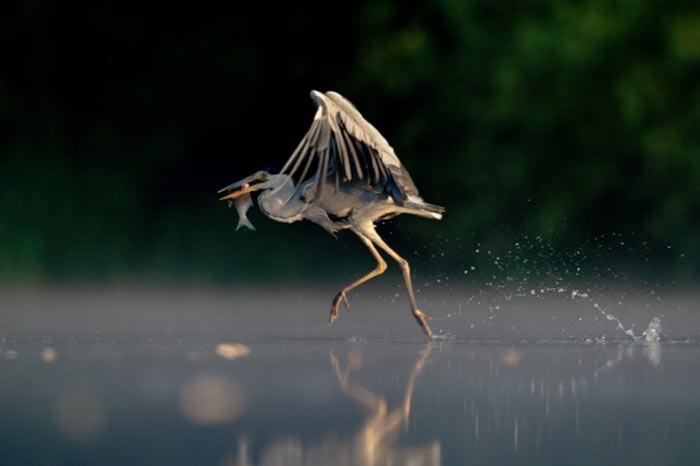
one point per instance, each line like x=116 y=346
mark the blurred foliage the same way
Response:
x=563 y=120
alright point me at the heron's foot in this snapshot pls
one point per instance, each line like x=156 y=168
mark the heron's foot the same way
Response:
x=340 y=298
x=422 y=318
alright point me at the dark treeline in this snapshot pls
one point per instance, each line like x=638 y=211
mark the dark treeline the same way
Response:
x=577 y=122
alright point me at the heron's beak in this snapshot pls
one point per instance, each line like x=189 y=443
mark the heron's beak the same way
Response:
x=245 y=186
x=237 y=193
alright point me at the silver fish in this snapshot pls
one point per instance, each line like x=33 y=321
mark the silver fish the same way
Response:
x=243 y=203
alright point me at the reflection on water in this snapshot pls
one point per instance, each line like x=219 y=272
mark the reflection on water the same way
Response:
x=649 y=351
x=257 y=379
x=653 y=353
x=211 y=399
x=348 y=403
x=375 y=441
x=80 y=414
x=48 y=355
x=496 y=405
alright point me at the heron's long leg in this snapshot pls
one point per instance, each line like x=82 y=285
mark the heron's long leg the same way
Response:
x=420 y=316
x=378 y=270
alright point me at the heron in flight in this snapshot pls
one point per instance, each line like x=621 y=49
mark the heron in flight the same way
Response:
x=343 y=175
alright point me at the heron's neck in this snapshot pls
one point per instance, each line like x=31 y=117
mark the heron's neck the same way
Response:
x=281 y=202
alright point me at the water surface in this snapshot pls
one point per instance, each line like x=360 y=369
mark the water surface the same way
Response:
x=259 y=379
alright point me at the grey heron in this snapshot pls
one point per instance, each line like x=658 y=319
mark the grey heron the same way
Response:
x=343 y=175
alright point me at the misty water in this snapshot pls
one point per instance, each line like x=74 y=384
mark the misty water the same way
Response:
x=254 y=377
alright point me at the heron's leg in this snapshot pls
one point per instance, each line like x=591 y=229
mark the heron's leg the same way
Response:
x=342 y=297
x=420 y=316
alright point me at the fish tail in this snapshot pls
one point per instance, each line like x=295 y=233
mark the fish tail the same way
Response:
x=244 y=222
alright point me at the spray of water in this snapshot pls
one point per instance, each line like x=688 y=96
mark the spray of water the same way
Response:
x=533 y=268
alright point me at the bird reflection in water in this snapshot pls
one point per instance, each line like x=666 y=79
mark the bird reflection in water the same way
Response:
x=374 y=444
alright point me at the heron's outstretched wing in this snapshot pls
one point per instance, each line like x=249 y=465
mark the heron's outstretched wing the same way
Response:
x=342 y=147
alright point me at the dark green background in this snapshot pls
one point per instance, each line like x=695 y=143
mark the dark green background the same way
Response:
x=575 y=122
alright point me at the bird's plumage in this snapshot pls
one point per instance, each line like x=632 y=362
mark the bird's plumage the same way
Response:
x=342 y=175
x=341 y=147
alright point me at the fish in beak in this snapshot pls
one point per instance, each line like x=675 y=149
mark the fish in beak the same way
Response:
x=243 y=203
x=238 y=193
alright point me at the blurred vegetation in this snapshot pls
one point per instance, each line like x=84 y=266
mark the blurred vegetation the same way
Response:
x=563 y=120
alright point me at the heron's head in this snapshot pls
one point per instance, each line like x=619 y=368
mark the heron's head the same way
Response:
x=255 y=182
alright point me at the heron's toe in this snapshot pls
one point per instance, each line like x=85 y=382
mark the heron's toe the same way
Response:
x=344 y=300
x=340 y=298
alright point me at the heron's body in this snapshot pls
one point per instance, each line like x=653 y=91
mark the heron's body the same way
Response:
x=343 y=175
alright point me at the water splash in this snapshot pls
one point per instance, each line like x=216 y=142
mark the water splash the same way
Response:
x=533 y=268
x=653 y=332
x=608 y=315
x=443 y=337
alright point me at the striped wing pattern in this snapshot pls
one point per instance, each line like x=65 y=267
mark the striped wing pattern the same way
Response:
x=342 y=147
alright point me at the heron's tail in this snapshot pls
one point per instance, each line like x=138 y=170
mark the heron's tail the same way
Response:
x=425 y=209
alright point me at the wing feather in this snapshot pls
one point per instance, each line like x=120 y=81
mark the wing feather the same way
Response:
x=344 y=153
x=375 y=167
x=309 y=161
x=352 y=151
x=323 y=173
x=303 y=148
x=342 y=144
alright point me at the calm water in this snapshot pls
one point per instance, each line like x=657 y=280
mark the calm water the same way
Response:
x=253 y=379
